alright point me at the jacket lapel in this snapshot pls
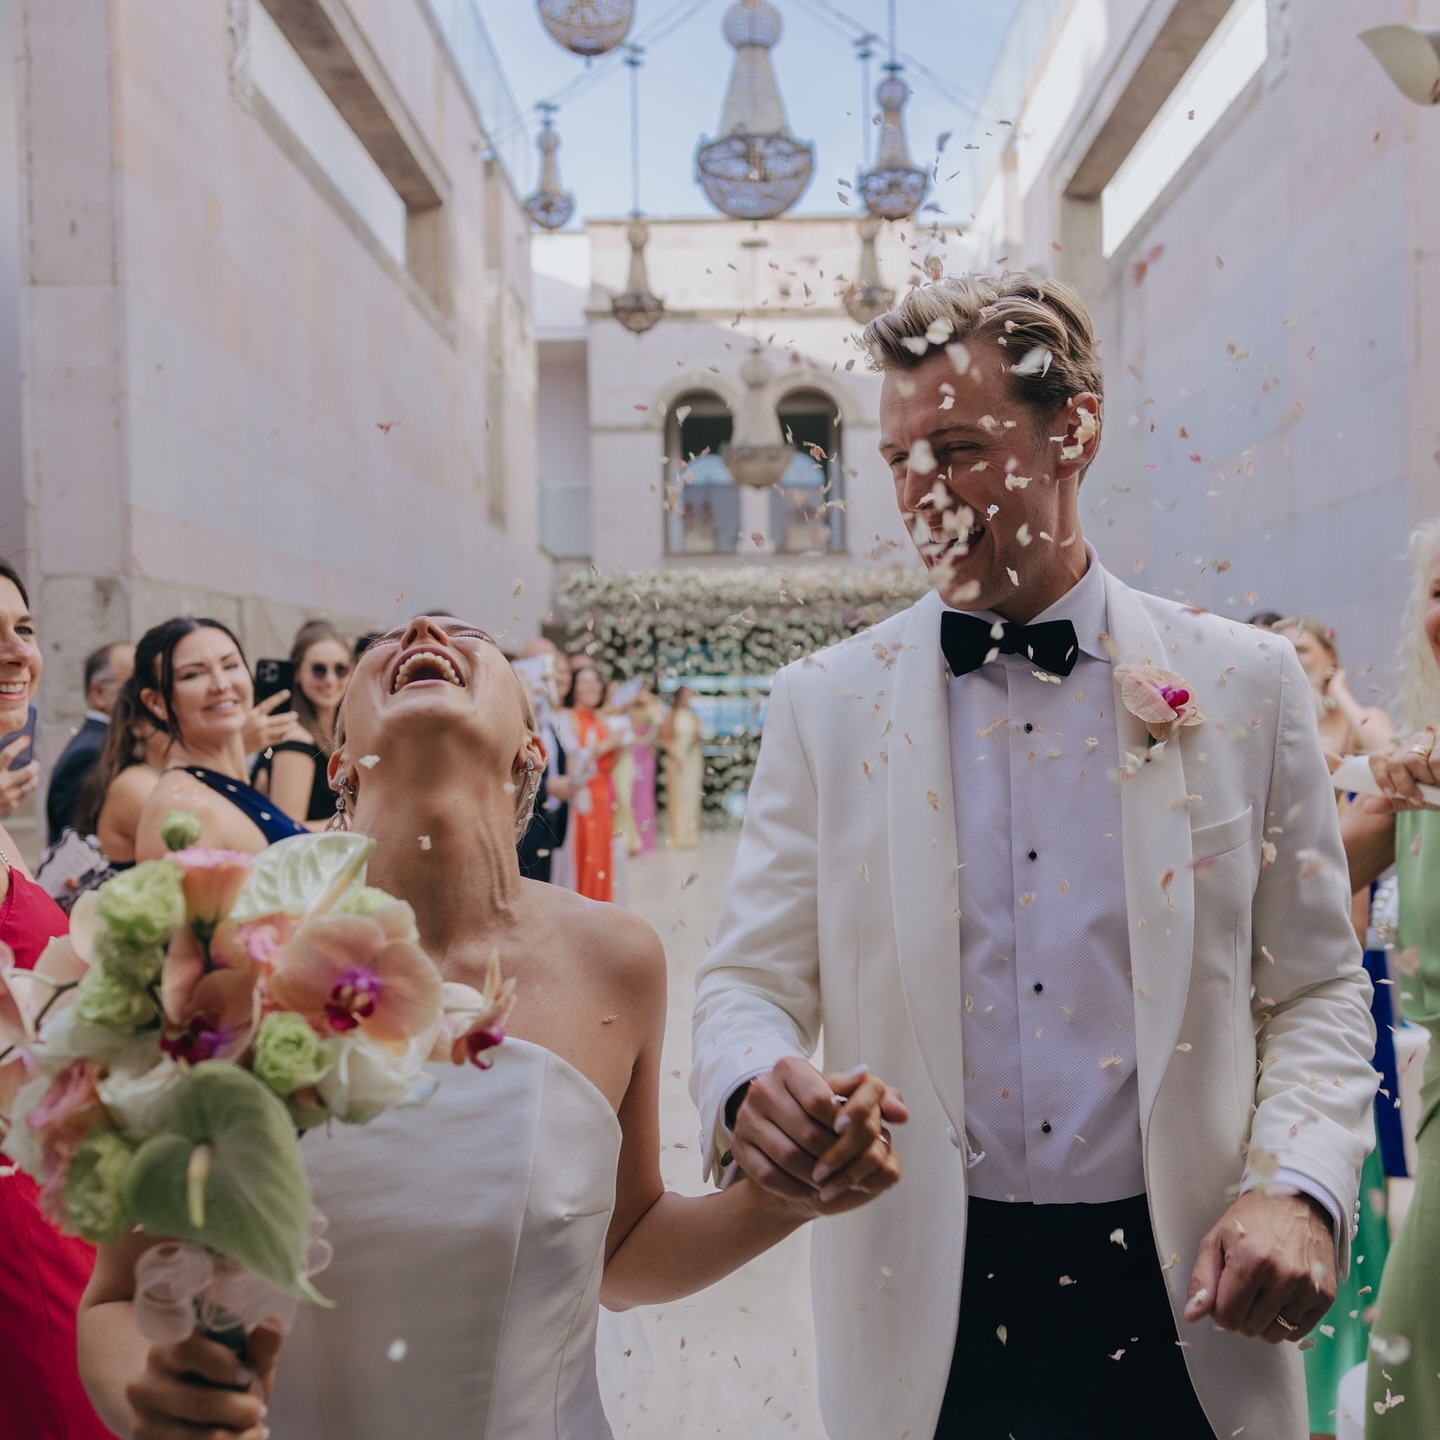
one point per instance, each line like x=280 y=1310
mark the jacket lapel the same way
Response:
x=1159 y=880
x=924 y=882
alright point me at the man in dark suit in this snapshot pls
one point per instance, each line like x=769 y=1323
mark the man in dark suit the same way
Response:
x=106 y=671
x=551 y=820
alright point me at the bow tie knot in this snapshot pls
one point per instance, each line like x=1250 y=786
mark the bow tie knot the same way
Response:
x=969 y=643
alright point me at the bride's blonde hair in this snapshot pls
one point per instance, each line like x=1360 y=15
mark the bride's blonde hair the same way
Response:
x=1417 y=670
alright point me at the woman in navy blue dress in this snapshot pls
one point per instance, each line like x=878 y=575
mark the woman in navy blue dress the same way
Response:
x=195 y=682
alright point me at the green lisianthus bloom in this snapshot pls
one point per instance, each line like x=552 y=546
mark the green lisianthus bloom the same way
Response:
x=366 y=900
x=289 y=1055
x=111 y=1000
x=94 y=1187
x=140 y=909
x=181 y=830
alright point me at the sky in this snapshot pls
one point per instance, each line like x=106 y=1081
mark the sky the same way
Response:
x=686 y=73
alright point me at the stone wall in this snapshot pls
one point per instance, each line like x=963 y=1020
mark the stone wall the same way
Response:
x=236 y=400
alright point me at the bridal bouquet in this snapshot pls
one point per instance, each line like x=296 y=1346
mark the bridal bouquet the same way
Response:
x=206 y=1009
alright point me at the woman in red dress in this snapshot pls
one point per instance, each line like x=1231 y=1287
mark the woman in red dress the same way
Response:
x=592 y=815
x=42 y=1273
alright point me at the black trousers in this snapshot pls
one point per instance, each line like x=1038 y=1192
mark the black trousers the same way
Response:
x=1065 y=1334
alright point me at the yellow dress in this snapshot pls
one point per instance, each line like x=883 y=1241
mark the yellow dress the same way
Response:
x=684 y=778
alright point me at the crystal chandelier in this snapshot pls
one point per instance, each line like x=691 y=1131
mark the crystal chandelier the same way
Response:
x=587 y=27
x=757 y=454
x=867 y=298
x=637 y=307
x=895 y=187
x=550 y=207
x=756 y=170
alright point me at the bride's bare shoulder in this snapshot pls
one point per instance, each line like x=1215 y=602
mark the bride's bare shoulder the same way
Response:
x=615 y=940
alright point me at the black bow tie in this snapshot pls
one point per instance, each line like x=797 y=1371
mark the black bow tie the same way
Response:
x=969 y=642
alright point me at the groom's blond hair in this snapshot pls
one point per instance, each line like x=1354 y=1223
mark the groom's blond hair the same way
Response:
x=1043 y=326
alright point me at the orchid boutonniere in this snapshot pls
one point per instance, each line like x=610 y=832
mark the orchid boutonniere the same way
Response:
x=1159 y=698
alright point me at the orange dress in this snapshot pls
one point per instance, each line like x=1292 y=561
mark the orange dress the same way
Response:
x=594 y=824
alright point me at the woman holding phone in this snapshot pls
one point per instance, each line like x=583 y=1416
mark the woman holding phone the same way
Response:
x=293 y=772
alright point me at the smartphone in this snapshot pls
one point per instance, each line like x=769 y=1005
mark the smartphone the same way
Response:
x=27 y=754
x=273 y=676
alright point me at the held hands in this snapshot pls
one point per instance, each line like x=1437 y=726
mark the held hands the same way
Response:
x=263 y=727
x=818 y=1141
x=16 y=786
x=199 y=1387
x=1267 y=1268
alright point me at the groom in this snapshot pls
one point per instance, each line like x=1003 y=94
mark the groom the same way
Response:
x=1060 y=860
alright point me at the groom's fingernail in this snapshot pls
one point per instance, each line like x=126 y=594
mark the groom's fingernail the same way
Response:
x=842 y=1124
x=820 y=1174
x=244 y=1377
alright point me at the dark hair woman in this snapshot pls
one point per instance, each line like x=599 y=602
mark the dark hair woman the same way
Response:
x=196 y=685
x=292 y=773
x=113 y=796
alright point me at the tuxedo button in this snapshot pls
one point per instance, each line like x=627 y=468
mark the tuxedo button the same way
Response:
x=1039 y=988
x=1028 y=728
x=1045 y=1128
x=1034 y=854
x=954 y=1137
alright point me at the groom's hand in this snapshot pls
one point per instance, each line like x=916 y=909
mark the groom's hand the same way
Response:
x=790 y=1123
x=1267 y=1269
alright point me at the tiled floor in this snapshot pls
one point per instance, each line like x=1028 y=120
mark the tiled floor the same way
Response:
x=739 y=1358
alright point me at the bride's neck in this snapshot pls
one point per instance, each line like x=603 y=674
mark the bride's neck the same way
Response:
x=450 y=853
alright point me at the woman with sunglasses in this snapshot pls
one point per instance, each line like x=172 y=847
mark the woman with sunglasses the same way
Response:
x=293 y=773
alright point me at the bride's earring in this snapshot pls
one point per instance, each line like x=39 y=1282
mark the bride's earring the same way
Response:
x=340 y=820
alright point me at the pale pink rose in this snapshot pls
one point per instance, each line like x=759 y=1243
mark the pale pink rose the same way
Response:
x=344 y=972
x=1159 y=698
x=26 y=996
x=59 y=1121
x=213 y=880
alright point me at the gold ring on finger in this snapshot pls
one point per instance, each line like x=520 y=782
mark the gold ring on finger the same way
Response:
x=885 y=1136
x=1418 y=750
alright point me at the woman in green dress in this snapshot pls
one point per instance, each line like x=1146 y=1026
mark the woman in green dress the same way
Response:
x=1402 y=1399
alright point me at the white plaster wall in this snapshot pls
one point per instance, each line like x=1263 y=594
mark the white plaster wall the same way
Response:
x=1275 y=305
x=211 y=351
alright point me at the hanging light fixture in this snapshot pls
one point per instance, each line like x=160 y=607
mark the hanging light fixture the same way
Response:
x=894 y=189
x=756 y=170
x=587 y=27
x=757 y=454
x=550 y=207
x=866 y=297
x=637 y=307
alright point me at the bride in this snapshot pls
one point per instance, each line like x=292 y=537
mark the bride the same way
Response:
x=474 y=1236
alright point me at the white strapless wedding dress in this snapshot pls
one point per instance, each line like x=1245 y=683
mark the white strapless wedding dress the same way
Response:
x=469 y=1241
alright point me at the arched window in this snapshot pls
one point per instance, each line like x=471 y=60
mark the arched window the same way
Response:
x=805 y=513
x=702 y=504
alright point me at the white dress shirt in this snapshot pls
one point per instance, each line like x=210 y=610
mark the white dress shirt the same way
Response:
x=1052 y=1102
x=1051 y=1097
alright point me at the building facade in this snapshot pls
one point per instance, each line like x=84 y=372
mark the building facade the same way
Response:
x=272 y=301
x=1250 y=209
x=632 y=426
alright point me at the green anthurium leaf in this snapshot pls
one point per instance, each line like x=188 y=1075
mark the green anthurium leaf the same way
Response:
x=293 y=876
x=228 y=1175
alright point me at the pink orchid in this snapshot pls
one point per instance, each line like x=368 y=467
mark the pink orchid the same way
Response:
x=216 y=1019
x=474 y=1020
x=212 y=880
x=348 y=972
x=1159 y=698
x=66 y=1112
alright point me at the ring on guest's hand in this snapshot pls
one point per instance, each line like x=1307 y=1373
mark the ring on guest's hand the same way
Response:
x=885 y=1136
x=1284 y=1324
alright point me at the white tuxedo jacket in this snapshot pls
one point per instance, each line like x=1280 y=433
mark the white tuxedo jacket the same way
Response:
x=1254 y=1037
